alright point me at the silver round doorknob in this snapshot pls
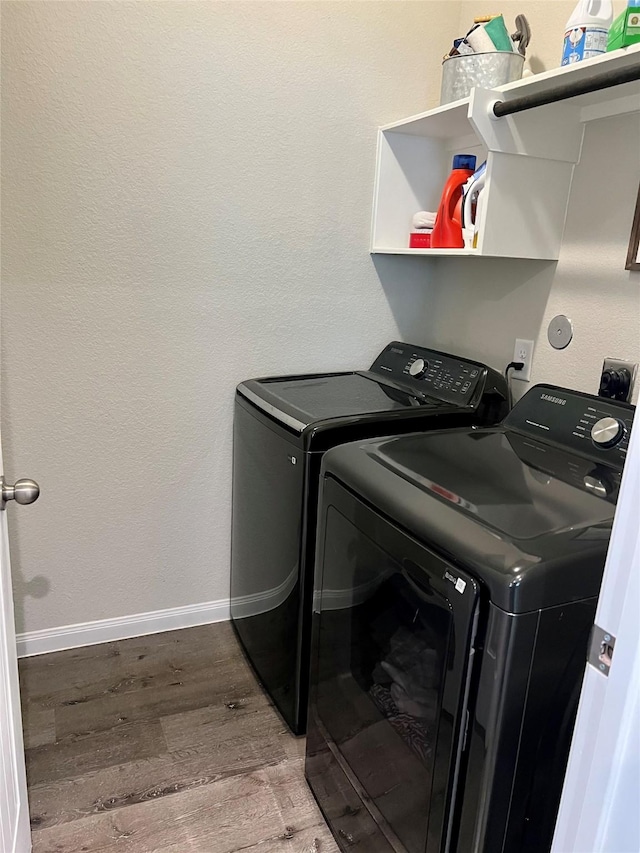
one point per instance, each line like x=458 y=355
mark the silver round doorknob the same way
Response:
x=22 y=492
x=26 y=491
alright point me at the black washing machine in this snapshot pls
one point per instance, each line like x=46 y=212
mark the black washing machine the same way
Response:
x=282 y=426
x=456 y=586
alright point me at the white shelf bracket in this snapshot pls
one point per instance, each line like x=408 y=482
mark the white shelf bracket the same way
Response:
x=552 y=132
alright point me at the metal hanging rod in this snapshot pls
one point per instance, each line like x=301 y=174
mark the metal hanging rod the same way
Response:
x=603 y=80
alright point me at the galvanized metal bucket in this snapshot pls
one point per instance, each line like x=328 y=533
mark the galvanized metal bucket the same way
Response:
x=461 y=73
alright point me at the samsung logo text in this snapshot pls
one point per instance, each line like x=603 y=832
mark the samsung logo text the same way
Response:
x=557 y=400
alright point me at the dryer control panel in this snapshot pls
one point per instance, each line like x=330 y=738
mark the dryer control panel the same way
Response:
x=592 y=426
x=430 y=373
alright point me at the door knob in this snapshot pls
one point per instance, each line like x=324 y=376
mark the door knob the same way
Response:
x=23 y=492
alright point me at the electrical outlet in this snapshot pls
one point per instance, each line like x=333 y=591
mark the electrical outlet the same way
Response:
x=523 y=351
x=617 y=379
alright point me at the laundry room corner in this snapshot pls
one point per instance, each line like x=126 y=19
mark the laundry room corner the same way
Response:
x=486 y=303
x=480 y=305
x=320 y=339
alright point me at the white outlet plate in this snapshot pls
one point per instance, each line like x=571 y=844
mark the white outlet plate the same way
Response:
x=523 y=351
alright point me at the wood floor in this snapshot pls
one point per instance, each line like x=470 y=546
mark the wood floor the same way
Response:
x=162 y=744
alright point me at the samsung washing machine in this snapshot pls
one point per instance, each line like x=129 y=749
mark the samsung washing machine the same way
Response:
x=282 y=427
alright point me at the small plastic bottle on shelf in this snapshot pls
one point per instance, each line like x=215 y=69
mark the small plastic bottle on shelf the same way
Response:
x=587 y=30
x=422 y=226
x=447 y=232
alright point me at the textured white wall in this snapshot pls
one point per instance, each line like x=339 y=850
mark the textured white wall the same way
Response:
x=186 y=203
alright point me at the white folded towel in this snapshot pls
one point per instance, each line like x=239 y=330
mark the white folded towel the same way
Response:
x=423 y=219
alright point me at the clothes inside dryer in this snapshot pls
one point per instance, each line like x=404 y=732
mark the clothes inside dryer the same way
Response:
x=387 y=692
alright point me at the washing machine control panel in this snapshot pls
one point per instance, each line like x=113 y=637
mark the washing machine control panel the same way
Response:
x=431 y=373
x=593 y=426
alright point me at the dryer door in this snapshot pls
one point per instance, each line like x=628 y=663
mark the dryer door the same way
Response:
x=394 y=635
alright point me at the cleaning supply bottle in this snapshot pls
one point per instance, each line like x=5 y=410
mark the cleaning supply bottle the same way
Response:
x=625 y=30
x=447 y=232
x=587 y=30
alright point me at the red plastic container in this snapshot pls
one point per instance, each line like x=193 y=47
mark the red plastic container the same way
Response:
x=447 y=232
x=420 y=240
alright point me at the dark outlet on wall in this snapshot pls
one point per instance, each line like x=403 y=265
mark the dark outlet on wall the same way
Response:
x=617 y=379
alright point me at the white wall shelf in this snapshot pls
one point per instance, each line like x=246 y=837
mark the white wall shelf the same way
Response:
x=530 y=161
x=426 y=252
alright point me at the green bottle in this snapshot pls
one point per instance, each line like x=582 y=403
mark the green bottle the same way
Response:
x=625 y=30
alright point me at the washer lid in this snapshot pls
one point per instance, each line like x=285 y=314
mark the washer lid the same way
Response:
x=515 y=511
x=313 y=398
x=520 y=488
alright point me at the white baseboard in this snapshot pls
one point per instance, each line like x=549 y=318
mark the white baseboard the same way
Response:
x=106 y=630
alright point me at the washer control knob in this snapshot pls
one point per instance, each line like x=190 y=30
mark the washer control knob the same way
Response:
x=607 y=432
x=418 y=368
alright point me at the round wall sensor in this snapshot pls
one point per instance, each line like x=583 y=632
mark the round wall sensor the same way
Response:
x=560 y=332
